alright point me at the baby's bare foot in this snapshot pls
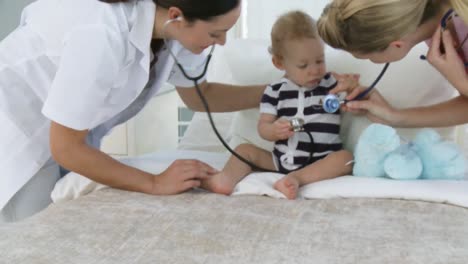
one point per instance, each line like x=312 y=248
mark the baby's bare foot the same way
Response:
x=288 y=186
x=219 y=183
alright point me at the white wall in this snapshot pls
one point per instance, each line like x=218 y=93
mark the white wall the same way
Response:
x=10 y=11
x=261 y=14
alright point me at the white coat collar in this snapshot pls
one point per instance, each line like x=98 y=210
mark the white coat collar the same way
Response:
x=141 y=32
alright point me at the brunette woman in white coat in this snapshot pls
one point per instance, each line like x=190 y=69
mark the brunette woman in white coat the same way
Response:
x=74 y=69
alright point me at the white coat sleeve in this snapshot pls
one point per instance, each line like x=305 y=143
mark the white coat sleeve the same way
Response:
x=90 y=62
x=193 y=64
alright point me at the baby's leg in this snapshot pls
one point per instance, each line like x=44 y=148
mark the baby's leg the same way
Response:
x=332 y=166
x=235 y=170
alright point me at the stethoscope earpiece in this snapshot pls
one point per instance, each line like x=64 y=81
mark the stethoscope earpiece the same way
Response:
x=443 y=24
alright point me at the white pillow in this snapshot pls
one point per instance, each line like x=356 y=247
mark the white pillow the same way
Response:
x=74 y=185
x=438 y=191
x=200 y=136
x=410 y=82
x=250 y=63
x=244 y=130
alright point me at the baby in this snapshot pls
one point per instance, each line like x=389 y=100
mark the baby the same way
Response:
x=298 y=51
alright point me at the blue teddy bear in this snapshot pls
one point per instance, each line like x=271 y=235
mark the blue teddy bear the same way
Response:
x=379 y=153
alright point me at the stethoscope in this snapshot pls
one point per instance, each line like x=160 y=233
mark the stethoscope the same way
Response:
x=331 y=103
x=443 y=24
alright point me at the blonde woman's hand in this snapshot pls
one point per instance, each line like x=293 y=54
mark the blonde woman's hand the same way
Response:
x=375 y=107
x=282 y=129
x=448 y=61
x=180 y=176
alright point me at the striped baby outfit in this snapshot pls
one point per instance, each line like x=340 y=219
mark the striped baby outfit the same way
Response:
x=287 y=100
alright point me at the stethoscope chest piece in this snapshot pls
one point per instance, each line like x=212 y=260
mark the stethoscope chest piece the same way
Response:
x=297 y=124
x=331 y=103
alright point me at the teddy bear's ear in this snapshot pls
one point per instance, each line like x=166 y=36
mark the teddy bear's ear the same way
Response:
x=440 y=159
x=372 y=148
x=427 y=136
x=403 y=163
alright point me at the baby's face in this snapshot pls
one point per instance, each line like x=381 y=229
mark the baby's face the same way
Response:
x=304 y=61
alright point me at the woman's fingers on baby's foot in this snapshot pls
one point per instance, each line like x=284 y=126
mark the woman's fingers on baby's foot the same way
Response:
x=191 y=184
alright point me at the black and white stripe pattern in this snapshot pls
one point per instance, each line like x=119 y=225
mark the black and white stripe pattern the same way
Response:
x=281 y=99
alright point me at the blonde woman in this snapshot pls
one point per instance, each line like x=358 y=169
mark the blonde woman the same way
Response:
x=385 y=31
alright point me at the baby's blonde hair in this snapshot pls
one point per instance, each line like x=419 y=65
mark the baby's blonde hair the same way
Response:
x=371 y=25
x=293 y=25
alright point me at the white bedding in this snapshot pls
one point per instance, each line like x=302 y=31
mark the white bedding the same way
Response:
x=441 y=191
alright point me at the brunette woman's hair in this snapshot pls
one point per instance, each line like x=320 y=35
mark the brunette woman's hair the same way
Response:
x=194 y=9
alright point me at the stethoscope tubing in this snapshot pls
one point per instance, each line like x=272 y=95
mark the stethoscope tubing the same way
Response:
x=364 y=93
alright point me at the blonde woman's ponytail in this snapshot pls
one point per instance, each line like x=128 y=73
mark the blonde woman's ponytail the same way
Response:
x=369 y=25
x=331 y=27
x=461 y=7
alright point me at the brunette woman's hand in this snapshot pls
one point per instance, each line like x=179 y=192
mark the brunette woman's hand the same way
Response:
x=180 y=176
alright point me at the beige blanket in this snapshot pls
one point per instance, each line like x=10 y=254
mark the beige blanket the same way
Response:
x=112 y=226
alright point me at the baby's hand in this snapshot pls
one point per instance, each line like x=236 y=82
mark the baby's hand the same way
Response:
x=282 y=129
x=348 y=83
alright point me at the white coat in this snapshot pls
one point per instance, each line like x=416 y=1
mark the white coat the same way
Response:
x=83 y=64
